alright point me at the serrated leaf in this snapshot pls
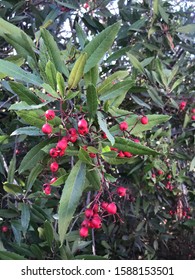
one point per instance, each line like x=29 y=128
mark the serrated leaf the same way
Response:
x=99 y=45
x=28 y=130
x=12 y=70
x=54 y=52
x=70 y=198
x=24 y=106
x=49 y=233
x=12 y=188
x=51 y=72
x=33 y=156
x=84 y=156
x=135 y=63
x=109 y=82
x=118 y=89
x=92 y=102
x=60 y=84
x=77 y=71
x=93 y=176
x=36 y=170
x=25 y=216
x=10 y=256
x=136 y=127
x=24 y=93
x=189 y=28
x=132 y=147
x=103 y=125
x=11 y=170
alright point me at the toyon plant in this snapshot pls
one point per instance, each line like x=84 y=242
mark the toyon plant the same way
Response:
x=82 y=132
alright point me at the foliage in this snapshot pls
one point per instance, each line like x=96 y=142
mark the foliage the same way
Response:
x=116 y=62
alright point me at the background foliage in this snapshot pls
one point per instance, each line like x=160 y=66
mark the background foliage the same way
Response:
x=132 y=58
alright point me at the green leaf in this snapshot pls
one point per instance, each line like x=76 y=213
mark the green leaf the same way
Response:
x=117 y=90
x=91 y=77
x=51 y=72
x=10 y=256
x=11 y=170
x=33 y=156
x=155 y=97
x=60 y=181
x=81 y=35
x=119 y=161
x=13 y=71
x=17 y=38
x=36 y=170
x=163 y=14
x=48 y=232
x=8 y=213
x=16 y=59
x=54 y=52
x=93 y=176
x=92 y=102
x=28 y=130
x=12 y=188
x=34 y=118
x=103 y=125
x=89 y=257
x=99 y=45
x=153 y=120
x=190 y=223
x=25 y=216
x=24 y=106
x=109 y=82
x=73 y=5
x=140 y=102
x=189 y=28
x=155 y=4
x=117 y=54
x=70 y=197
x=24 y=93
x=84 y=156
x=132 y=147
x=192 y=164
x=135 y=63
x=60 y=84
x=77 y=71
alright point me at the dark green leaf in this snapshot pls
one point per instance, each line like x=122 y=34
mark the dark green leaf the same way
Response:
x=92 y=102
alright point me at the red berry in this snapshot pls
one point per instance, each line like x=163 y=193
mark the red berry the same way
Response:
x=121 y=154
x=182 y=105
x=104 y=205
x=127 y=154
x=82 y=124
x=169 y=176
x=50 y=115
x=136 y=140
x=193 y=117
x=160 y=172
x=83 y=232
x=83 y=131
x=62 y=144
x=104 y=136
x=111 y=208
x=47 y=190
x=53 y=153
x=86 y=5
x=153 y=175
x=72 y=131
x=114 y=149
x=46 y=128
x=92 y=155
x=85 y=223
x=54 y=166
x=123 y=126
x=193 y=111
x=73 y=138
x=144 y=120
x=95 y=208
x=121 y=191
x=89 y=213
x=96 y=222
x=4 y=228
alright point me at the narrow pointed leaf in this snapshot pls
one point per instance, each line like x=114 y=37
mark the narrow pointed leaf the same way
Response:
x=70 y=198
x=99 y=45
x=104 y=128
x=92 y=102
x=135 y=63
x=77 y=71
